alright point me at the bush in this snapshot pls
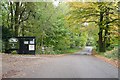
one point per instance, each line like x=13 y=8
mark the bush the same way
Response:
x=58 y=52
x=110 y=48
x=14 y=52
x=112 y=54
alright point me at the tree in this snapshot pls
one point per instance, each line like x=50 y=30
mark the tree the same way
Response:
x=48 y=25
x=103 y=14
x=17 y=13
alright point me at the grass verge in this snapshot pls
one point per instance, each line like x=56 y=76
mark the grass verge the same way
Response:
x=109 y=56
x=70 y=51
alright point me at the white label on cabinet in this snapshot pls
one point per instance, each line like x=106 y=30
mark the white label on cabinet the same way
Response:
x=31 y=47
x=25 y=42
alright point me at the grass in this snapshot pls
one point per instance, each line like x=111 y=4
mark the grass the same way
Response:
x=113 y=54
x=71 y=50
x=51 y=52
x=67 y=51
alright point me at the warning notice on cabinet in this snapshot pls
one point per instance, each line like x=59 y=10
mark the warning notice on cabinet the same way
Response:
x=31 y=47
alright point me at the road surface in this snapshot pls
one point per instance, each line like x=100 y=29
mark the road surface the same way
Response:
x=67 y=66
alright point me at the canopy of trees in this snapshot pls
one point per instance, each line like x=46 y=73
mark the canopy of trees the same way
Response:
x=103 y=15
x=63 y=26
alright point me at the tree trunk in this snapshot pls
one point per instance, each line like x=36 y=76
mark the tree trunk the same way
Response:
x=106 y=30
x=16 y=19
x=23 y=29
x=105 y=38
x=100 y=41
x=12 y=19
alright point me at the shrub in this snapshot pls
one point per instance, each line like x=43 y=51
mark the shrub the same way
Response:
x=113 y=54
x=14 y=52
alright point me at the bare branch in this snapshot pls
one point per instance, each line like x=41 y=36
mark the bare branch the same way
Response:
x=113 y=21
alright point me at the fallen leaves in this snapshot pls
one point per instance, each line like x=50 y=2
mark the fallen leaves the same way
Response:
x=113 y=62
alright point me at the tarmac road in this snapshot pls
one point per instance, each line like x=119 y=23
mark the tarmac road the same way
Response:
x=68 y=66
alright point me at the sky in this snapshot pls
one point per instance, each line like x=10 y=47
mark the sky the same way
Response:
x=55 y=3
